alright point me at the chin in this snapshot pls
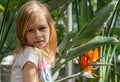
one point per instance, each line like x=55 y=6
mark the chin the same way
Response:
x=39 y=46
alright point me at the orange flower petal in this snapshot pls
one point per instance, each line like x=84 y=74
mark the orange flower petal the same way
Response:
x=86 y=58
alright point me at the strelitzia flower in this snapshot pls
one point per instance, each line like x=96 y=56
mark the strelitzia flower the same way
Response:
x=88 y=61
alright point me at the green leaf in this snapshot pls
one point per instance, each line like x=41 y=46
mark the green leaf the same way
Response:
x=54 y=77
x=65 y=42
x=83 y=12
x=96 y=42
x=77 y=51
x=57 y=3
x=94 y=26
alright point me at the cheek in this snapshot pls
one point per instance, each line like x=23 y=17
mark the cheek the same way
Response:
x=28 y=38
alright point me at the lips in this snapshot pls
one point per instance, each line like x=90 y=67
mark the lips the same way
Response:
x=39 y=41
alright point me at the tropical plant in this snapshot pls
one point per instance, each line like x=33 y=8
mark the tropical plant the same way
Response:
x=70 y=49
x=95 y=22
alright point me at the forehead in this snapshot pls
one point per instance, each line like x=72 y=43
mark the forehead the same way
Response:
x=37 y=20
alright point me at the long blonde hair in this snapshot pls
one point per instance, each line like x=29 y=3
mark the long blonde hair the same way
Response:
x=28 y=12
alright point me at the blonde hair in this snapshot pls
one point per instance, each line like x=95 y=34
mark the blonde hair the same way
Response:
x=29 y=11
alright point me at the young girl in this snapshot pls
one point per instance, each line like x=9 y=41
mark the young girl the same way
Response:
x=35 y=54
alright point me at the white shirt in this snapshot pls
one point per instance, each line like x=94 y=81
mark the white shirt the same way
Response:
x=30 y=54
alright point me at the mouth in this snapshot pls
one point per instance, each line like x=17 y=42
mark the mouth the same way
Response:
x=37 y=42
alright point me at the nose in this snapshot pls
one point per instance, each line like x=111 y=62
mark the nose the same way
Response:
x=38 y=33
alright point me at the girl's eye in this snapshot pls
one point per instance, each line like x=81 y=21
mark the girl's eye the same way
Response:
x=30 y=30
x=42 y=28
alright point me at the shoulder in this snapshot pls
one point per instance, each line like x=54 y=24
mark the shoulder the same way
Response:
x=28 y=49
x=30 y=53
x=27 y=54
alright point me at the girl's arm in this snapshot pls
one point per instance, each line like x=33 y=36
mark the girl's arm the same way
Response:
x=30 y=73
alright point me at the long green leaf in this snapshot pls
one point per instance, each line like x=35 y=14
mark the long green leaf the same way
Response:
x=75 y=52
x=96 y=42
x=94 y=26
x=65 y=42
x=57 y=3
x=83 y=12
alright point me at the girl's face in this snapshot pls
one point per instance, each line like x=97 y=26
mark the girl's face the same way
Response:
x=38 y=32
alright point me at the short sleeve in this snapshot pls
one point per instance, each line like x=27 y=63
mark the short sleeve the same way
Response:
x=29 y=54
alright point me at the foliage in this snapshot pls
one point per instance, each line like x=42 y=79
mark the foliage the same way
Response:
x=93 y=26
